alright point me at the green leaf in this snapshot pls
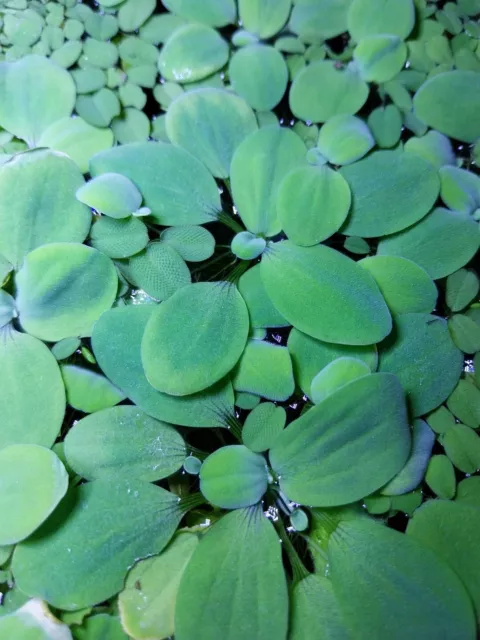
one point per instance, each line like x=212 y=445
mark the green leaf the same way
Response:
x=133 y=13
x=77 y=139
x=118 y=238
x=265 y=369
x=99 y=627
x=192 y=53
x=312 y=204
x=460 y=189
x=193 y=243
x=465 y=333
x=123 y=442
x=62 y=290
x=406 y=287
x=315 y=613
x=116 y=341
x=216 y=13
x=34 y=93
x=344 y=139
x=335 y=376
x=316 y=21
x=159 y=270
x=7 y=308
x=74 y=561
x=380 y=57
x=468 y=491
x=112 y=194
x=262 y=426
x=383 y=603
x=462 y=446
x=309 y=356
x=259 y=74
x=441 y=420
x=440 y=477
x=313 y=456
x=234 y=477
x=368 y=17
x=147 y=602
x=259 y=165
x=441 y=243
x=450 y=530
x=175 y=186
x=423 y=440
x=421 y=353
x=42 y=208
x=233 y=580
x=449 y=103
x=386 y=125
x=464 y=403
x=374 y=213
x=225 y=121
x=98 y=109
x=434 y=147
x=322 y=90
x=247 y=246
x=260 y=308
x=89 y=391
x=333 y=285
x=32 y=395
x=33 y=482
x=263 y=18
x=5 y=553
x=179 y=355
x=33 y=621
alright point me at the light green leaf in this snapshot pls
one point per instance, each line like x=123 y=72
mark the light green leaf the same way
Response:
x=33 y=482
x=192 y=53
x=421 y=353
x=434 y=147
x=100 y=626
x=322 y=90
x=175 y=185
x=62 y=290
x=450 y=530
x=312 y=204
x=259 y=74
x=380 y=57
x=233 y=580
x=440 y=477
x=375 y=212
x=335 y=376
x=266 y=370
x=441 y=243
x=74 y=561
x=112 y=194
x=344 y=139
x=216 y=13
x=34 y=93
x=7 y=308
x=42 y=208
x=383 y=604
x=179 y=355
x=118 y=238
x=462 y=287
x=225 y=121
x=332 y=284
x=89 y=391
x=369 y=17
x=263 y=18
x=423 y=439
x=449 y=102
x=386 y=125
x=124 y=442
x=406 y=287
x=98 y=109
x=117 y=339
x=313 y=456
x=260 y=308
x=309 y=356
x=147 y=603
x=247 y=246
x=193 y=243
x=460 y=189
x=133 y=13
x=32 y=395
x=77 y=139
x=316 y=21
x=259 y=165
x=234 y=477
x=262 y=426
x=33 y=621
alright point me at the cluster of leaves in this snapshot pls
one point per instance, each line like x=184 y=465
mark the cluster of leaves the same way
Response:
x=248 y=317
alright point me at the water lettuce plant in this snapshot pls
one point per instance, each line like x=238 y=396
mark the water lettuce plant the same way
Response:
x=239 y=319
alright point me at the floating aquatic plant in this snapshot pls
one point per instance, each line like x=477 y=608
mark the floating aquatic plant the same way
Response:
x=239 y=319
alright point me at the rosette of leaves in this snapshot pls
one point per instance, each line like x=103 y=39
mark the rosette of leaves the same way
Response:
x=239 y=319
